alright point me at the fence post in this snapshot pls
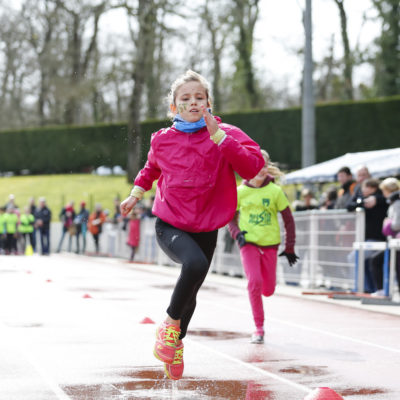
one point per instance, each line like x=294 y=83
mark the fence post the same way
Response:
x=313 y=247
x=360 y=259
x=356 y=263
x=386 y=283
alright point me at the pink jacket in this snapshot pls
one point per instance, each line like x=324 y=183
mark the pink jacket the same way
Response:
x=196 y=189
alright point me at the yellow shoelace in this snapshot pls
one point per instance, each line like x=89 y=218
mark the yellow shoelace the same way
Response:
x=178 y=356
x=171 y=336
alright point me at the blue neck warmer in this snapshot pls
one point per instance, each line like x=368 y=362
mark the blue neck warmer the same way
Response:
x=189 y=127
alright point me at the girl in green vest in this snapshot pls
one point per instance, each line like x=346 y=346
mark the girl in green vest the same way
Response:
x=256 y=229
x=25 y=228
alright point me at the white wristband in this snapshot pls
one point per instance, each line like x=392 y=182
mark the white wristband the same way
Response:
x=137 y=192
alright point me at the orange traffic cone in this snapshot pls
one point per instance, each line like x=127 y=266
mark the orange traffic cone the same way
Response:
x=147 y=320
x=323 y=393
x=86 y=296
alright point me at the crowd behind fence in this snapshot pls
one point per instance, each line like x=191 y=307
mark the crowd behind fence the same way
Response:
x=324 y=242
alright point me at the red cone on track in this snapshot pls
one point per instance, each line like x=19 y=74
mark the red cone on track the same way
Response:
x=49 y=280
x=147 y=320
x=323 y=393
x=87 y=296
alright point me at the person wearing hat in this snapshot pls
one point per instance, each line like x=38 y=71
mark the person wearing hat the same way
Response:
x=81 y=221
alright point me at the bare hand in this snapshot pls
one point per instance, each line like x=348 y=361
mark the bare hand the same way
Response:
x=127 y=205
x=212 y=125
x=370 y=202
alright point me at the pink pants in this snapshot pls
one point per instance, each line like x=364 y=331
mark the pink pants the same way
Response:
x=260 y=267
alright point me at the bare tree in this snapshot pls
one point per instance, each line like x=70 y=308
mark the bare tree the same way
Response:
x=145 y=14
x=17 y=61
x=216 y=22
x=348 y=58
x=387 y=63
x=78 y=57
x=41 y=19
x=245 y=13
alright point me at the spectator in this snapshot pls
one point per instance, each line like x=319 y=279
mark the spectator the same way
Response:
x=25 y=228
x=117 y=217
x=375 y=207
x=328 y=199
x=148 y=211
x=346 y=191
x=362 y=174
x=11 y=223
x=391 y=226
x=32 y=210
x=43 y=218
x=133 y=233
x=95 y=223
x=307 y=203
x=81 y=221
x=11 y=202
x=2 y=230
x=67 y=216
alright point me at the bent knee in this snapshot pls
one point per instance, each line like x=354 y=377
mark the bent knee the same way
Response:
x=197 y=267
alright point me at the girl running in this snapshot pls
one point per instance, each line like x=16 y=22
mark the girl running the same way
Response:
x=194 y=161
x=255 y=227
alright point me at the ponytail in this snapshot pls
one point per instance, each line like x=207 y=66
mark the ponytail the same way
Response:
x=273 y=169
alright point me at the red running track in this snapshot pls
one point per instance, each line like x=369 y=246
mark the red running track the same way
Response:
x=58 y=343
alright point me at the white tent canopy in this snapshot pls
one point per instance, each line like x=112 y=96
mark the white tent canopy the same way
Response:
x=380 y=163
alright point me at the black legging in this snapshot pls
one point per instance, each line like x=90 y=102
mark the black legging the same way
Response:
x=194 y=251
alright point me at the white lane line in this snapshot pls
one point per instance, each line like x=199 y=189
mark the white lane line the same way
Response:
x=61 y=395
x=251 y=366
x=315 y=330
x=337 y=335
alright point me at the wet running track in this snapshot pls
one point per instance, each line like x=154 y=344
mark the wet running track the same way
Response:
x=70 y=329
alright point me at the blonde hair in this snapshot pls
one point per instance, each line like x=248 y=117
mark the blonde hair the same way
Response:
x=273 y=169
x=390 y=184
x=188 y=76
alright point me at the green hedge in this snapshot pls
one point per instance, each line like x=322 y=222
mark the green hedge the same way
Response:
x=340 y=128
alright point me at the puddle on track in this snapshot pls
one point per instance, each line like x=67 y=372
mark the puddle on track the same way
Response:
x=219 y=335
x=150 y=383
x=361 y=391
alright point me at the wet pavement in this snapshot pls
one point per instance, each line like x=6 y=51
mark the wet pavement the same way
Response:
x=70 y=328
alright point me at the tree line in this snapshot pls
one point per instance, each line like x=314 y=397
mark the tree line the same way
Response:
x=55 y=69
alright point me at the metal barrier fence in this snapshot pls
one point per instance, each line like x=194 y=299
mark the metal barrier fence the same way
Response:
x=390 y=250
x=324 y=243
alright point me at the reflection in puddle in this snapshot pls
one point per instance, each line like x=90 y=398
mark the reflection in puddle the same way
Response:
x=150 y=383
x=305 y=370
x=361 y=391
x=223 y=335
x=24 y=324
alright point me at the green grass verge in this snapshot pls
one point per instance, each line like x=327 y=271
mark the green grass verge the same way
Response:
x=60 y=189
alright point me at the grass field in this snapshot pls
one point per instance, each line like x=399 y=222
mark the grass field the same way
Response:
x=60 y=189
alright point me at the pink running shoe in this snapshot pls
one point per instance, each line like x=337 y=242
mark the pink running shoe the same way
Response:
x=167 y=337
x=175 y=370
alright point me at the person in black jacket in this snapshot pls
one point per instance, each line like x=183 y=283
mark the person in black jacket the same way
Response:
x=375 y=206
x=43 y=218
